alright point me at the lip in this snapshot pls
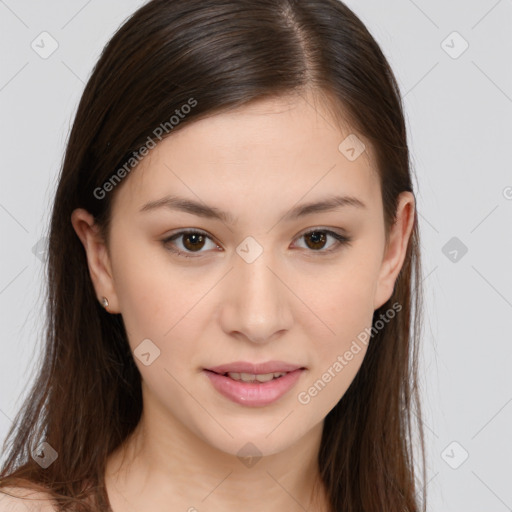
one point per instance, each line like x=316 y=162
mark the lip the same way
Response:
x=254 y=394
x=255 y=368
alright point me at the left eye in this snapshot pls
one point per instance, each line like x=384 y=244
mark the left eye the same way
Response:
x=194 y=241
x=318 y=237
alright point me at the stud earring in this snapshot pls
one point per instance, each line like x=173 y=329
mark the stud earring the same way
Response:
x=104 y=302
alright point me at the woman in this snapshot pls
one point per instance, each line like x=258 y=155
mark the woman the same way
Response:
x=233 y=273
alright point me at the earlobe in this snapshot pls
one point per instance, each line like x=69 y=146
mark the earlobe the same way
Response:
x=98 y=259
x=396 y=250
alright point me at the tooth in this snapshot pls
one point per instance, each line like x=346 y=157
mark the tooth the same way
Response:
x=265 y=377
x=250 y=377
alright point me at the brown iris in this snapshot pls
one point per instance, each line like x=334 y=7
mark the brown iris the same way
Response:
x=318 y=238
x=197 y=241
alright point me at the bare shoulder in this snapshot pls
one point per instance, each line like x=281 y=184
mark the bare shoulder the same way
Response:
x=20 y=499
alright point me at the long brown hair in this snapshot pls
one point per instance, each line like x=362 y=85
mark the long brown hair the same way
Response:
x=214 y=56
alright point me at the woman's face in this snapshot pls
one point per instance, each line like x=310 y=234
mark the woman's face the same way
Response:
x=261 y=278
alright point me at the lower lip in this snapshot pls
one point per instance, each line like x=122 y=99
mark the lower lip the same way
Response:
x=254 y=394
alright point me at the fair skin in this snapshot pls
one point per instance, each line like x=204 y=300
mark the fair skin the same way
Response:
x=290 y=304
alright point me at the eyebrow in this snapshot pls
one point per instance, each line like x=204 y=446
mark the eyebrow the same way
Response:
x=202 y=210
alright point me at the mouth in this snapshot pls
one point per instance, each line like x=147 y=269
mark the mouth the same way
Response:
x=254 y=385
x=244 y=367
x=252 y=377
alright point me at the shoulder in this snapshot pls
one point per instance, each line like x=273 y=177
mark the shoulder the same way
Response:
x=21 y=499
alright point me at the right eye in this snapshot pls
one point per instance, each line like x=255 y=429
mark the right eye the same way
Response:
x=193 y=241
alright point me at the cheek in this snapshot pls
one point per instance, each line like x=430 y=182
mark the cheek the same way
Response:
x=162 y=303
x=346 y=306
x=337 y=356
x=345 y=303
x=149 y=296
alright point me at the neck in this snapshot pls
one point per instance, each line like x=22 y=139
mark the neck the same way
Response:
x=164 y=463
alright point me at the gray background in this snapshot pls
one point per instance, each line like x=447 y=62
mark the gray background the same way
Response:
x=459 y=116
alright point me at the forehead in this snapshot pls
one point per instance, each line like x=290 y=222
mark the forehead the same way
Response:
x=282 y=148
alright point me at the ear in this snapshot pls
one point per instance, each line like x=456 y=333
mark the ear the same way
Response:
x=98 y=259
x=395 y=251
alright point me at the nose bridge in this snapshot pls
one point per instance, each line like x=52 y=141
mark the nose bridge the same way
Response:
x=259 y=303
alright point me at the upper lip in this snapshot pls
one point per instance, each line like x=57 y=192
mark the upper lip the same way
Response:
x=255 y=368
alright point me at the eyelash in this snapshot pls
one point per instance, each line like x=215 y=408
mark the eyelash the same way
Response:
x=341 y=241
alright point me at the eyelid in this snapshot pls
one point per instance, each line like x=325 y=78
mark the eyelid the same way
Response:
x=342 y=239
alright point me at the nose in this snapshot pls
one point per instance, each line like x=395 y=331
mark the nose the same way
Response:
x=257 y=304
